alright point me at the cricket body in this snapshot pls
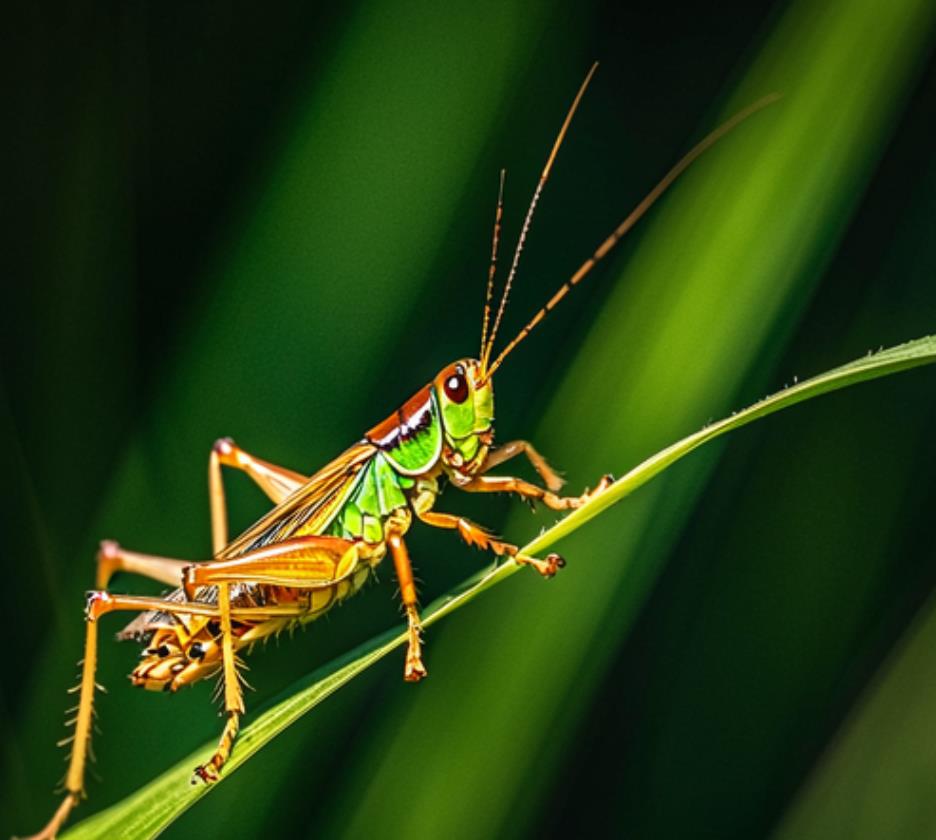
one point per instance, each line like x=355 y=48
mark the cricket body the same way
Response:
x=326 y=533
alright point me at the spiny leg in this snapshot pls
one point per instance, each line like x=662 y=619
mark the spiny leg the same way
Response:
x=81 y=740
x=307 y=562
x=477 y=536
x=100 y=603
x=526 y=490
x=522 y=447
x=281 y=564
x=233 y=696
x=414 y=669
x=276 y=482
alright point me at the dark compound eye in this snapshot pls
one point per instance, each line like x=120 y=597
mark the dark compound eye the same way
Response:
x=456 y=386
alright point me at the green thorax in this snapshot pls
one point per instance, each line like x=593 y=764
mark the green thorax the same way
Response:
x=446 y=424
x=407 y=444
x=411 y=438
x=378 y=491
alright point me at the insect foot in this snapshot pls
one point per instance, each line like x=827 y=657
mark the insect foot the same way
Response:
x=414 y=670
x=554 y=562
x=206 y=773
x=606 y=481
x=547 y=568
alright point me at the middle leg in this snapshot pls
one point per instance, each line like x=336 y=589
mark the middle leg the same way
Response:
x=414 y=670
x=481 y=538
x=526 y=490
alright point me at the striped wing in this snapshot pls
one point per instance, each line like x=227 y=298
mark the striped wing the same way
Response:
x=310 y=508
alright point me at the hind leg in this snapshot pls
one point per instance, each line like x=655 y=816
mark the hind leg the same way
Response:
x=112 y=558
x=304 y=562
x=277 y=482
x=233 y=695
x=81 y=740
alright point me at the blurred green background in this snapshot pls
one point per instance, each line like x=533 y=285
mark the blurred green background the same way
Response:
x=275 y=225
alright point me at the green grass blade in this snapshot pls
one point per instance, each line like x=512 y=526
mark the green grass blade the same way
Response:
x=148 y=811
x=872 y=366
x=705 y=303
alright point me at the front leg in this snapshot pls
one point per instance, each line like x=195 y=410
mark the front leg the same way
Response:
x=506 y=451
x=480 y=538
x=526 y=490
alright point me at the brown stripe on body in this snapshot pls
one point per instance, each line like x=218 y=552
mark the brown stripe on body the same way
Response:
x=408 y=420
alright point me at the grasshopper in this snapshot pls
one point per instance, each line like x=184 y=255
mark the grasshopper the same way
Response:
x=327 y=532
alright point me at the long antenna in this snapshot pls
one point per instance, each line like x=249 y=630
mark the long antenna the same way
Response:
x=486 y=349
x=630 y=221
x=492 y=270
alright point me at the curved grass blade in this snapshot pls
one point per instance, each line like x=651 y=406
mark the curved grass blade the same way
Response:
x=151 y=809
